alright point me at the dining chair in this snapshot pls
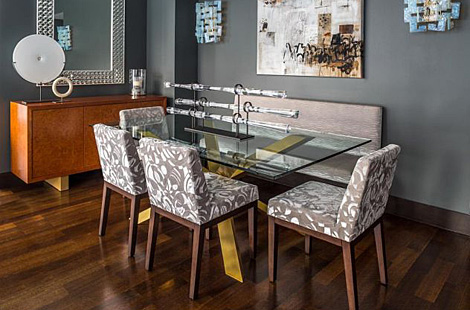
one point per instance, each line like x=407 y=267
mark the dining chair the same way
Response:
x=150 y=121
x=337 y=215
x=180 y=191
x=123 y=173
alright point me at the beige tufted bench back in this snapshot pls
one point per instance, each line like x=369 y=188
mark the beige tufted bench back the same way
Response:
x=364 y=121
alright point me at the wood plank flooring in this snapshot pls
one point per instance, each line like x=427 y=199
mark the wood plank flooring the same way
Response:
x=52 y=258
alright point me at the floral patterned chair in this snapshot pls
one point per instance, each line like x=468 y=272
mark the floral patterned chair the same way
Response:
x=337 y=215
x=179 y=190
x=122 y=173
x=150 y=121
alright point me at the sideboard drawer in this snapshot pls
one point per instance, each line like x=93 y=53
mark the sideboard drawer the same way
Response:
x=57 y=146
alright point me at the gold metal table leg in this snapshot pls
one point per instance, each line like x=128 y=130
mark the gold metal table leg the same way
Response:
x=228 y=243
x=144 y=216
x=262 y=206
x=230 y=252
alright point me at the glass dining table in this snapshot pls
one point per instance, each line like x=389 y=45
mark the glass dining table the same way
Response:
x=269 y=154
x=261 y=152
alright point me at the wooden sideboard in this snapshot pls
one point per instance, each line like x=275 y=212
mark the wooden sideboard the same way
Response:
x=53 y=140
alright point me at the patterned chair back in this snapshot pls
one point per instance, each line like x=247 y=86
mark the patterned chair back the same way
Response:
x=150 y=120
x=119 y=159
x=175 y=179
x=367 y=193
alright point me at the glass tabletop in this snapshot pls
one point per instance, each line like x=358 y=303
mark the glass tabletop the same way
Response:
x=266 y=153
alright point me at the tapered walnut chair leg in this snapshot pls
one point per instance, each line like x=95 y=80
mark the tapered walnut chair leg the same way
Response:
x=273 y=242
x=160 y=225
x=209 y=233
x=133 y=226
x=308 y=244
x=198 y=248
x=253 y=229
x=104 y=210
x=152 y=240
x=380 y=246
x=350 y=274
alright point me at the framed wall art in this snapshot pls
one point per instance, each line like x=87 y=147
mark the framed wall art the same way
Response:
x=310 y=38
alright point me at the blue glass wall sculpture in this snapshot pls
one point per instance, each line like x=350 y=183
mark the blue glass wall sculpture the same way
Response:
x=431 y=15
x=209 y=21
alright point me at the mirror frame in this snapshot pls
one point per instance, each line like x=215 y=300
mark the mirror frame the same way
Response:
x=45 y=26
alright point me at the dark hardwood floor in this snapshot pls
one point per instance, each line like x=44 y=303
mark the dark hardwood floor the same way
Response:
x=52 y=258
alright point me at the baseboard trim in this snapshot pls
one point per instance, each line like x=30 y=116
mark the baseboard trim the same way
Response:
x=9 y=180
x=430 y=215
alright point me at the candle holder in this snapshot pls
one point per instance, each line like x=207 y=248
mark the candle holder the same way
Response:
x=138 y=82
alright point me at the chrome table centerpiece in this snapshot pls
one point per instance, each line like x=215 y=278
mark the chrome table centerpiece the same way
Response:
x=197 y=110
x=247 y=107
x=237 y=90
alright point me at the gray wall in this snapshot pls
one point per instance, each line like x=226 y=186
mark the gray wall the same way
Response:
x=421 y=80
x=171 y=45
x=161 y=19
x=172 y=51
x=17 y=20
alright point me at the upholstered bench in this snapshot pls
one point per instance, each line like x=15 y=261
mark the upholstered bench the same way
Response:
x=364 y=121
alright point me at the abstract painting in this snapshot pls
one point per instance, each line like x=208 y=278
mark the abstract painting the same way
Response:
x=209 y=22
x=310 y=38
x=432 y=15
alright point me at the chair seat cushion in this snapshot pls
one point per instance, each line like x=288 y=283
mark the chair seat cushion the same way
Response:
x=338 y=168
x=226 y=195
x=312 y=205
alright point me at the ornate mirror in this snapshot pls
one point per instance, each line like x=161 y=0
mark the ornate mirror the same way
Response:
x=92 y=34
